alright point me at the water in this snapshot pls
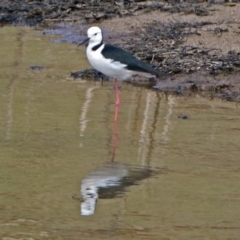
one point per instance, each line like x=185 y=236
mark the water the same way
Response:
x=171 y=178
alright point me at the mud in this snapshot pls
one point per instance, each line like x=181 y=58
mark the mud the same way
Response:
x=195 y=43
x=34 y=12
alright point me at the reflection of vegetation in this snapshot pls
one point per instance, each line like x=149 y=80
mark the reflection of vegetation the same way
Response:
x=23 y=48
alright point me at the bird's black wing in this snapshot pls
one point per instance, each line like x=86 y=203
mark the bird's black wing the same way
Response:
x=124 y=57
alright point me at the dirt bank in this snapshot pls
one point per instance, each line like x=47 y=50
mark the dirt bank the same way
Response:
x=198 y=52
x=196 y=44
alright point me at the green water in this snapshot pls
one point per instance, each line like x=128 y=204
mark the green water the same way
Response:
x=55 y=130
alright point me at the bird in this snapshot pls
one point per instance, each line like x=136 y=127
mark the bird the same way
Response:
x=114 y=61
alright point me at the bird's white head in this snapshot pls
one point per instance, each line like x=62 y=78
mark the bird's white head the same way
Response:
x=94 y=35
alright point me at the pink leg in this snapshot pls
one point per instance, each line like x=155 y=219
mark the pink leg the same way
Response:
x=117 y=101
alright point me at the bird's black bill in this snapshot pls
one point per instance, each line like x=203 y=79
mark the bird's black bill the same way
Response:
x=86 y=40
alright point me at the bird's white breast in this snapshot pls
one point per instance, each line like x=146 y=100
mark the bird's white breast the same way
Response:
x=107 y=66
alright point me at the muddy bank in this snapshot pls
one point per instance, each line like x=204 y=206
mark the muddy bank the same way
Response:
x=197 y=53
x=196 y=44
x=35 y=12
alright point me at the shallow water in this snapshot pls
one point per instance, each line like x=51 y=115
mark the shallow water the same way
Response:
x=56 y=132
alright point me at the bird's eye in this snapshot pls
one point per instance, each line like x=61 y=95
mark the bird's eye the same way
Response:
x=95 y=34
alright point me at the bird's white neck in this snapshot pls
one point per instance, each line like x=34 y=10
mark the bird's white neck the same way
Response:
x=94 y=45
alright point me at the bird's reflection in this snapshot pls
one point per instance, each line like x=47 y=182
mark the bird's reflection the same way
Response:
x=115 y=140
x=108 y=181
